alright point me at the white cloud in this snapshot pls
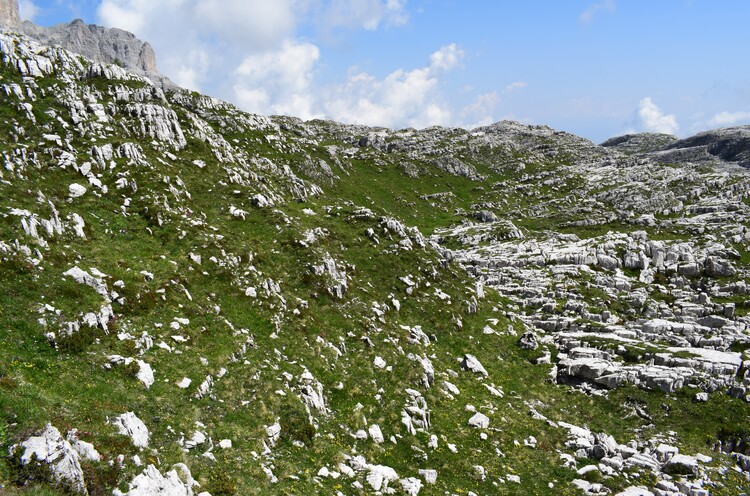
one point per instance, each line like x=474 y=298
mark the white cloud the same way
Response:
x=593 y=10
x=402 y=98
x=652 y=119
x=27 y=10
x=446 y=58
x=198 y=42
x=726 y=119
x=366 y=14
x=248 y=52
x=258 y=22
x=278 y=81
x=130 y=15
x=518 y=85
x=481 y=111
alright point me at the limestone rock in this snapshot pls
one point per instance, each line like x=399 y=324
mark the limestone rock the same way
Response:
x=380 y=476
x=681 y=464
x=528 y=341
x=640 y=143
x=471 y=363
x=635 y=491
x=177 y=482
x=411 y=486
x=731 y=144
x=57 y=453
x=479 y=421
x=75 y=190
x=9 y=17
x=100 y=44
x=130 y=425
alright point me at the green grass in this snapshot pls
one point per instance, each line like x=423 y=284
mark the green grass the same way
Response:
x=180 y=209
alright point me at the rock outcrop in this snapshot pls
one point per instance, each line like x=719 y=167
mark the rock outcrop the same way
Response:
x=52 y=450
x=108 y=45
x=9 y=17
x=97 y=43
x=730 y=144
x=640 y=143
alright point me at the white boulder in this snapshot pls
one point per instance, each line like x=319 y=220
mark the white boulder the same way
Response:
x=130 y=425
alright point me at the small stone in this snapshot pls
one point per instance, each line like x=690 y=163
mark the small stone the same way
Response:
x=429 y=476
x=471 y=363
x=75 y=190
x=130 y=425
x=479 y=421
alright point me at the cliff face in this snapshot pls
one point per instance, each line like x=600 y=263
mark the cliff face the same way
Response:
x=9 y=17
x=98 y=43
x=108 y=45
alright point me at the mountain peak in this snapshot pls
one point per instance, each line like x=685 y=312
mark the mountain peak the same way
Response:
x=9 y=17
x=98 y=43
x=108 y=45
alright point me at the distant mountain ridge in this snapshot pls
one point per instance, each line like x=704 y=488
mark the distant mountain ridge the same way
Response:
x=730 y=144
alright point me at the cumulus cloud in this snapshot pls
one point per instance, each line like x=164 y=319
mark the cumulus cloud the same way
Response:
x=652 y=119
x=726 y=119
x=258 y=22
x=588 y=15
x=128 y=15
x=279 y=81
x=203 y=38
x=366 y=14
x=402 y=98
x=446 y=58
x=27 y=10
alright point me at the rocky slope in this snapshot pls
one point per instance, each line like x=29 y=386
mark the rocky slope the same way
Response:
x=97 y=43
x=720 y=145
x=196 y=300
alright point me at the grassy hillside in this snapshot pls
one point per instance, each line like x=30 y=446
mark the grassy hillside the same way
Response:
x=310 y=280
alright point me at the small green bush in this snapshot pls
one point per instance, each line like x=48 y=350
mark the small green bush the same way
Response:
x=295 y=424
x=221 y=484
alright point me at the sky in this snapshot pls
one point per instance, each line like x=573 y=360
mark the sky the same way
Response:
x=595 y=68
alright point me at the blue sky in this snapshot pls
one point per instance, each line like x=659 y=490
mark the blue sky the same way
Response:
x=596 y=68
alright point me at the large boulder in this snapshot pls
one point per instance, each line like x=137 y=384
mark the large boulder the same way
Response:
x=52 y=450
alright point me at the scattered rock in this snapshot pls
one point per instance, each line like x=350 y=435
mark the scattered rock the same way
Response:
x=130 y=425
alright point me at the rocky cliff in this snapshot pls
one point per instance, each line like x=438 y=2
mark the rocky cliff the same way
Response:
x=108 y=45
x=9 y=17
x=97 y=43
x=199 y=301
